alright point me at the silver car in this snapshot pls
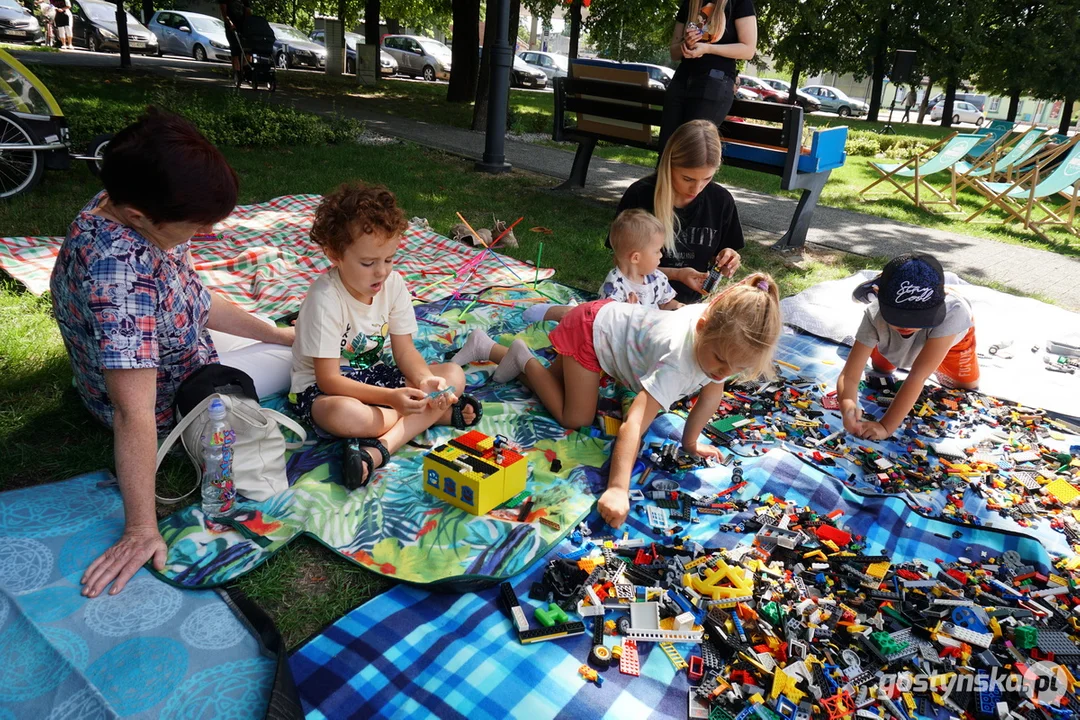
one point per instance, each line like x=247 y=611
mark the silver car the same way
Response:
x=551 y=64
x=17 y=24
x=190 y=34
x=419 y=56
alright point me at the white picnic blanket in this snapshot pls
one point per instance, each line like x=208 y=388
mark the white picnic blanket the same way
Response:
x=1021 y=327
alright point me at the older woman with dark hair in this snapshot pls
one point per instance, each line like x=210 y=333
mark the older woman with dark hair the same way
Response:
x=133 y=314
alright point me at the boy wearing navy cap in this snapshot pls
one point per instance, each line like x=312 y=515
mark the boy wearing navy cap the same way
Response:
x=910 y=322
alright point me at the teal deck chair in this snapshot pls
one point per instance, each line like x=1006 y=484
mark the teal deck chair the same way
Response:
x=995 y=132
x=915 y=170
x=997 y=162
x=1021 y=199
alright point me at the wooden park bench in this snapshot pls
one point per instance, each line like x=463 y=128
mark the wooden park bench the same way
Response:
x=616 y=105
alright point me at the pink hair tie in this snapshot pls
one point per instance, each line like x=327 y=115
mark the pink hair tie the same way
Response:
x=762 y=286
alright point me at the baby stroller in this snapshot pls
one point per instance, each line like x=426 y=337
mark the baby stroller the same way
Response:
x=257 y=42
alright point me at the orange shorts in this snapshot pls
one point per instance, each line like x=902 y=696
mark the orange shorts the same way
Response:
x=960 y=366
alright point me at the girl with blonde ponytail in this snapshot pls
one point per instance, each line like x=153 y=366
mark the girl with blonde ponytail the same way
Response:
x=700 y=219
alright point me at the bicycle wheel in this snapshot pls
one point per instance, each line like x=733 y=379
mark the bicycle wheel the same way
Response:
x=96 y=149
x=20 y=170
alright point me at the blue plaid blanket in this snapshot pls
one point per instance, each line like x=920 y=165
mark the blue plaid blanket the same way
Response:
x=414 y=654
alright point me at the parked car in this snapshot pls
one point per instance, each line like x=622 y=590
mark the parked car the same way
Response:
x=94 y=28
x=979 y=101
x=806 y=102
x=765 y=91
x=17 y=24
x=190 y=34
x=835 y=100
x=293 y=49
x=522 y=75
x=550 y=64
x=655 y=80
x=659 y=73
x=387 y=64
x=419 y=56
x=962 y=112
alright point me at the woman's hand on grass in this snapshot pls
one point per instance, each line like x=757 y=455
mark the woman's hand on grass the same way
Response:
x=117 y=564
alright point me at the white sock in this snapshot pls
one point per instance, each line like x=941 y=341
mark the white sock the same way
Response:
x=535 y=313
x=476 y=349
x=514 y=363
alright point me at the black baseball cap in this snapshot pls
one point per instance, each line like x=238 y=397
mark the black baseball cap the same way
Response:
x=910 y=291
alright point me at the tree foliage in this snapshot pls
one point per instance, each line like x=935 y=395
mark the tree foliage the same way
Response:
x=632 y=30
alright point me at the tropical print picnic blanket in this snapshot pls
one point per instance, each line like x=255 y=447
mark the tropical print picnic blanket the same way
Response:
x=412 y=654
x=151 y=651
x=262 y=258
x=393 y=526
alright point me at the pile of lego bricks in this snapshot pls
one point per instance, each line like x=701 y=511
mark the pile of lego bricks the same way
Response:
x=959 y=455
x=804 y=623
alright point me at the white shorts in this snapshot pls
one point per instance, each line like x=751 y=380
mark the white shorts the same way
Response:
x=64 y=33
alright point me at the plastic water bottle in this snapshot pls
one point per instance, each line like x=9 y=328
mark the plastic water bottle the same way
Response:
x=218 y=491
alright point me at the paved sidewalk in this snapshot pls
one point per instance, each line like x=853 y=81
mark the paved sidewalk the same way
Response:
x=1026 y=269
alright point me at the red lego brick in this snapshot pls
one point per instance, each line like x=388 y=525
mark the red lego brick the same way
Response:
x=827 y=532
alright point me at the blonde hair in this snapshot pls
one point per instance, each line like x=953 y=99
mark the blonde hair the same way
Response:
x=746 y=316
x=633 y=229
x=695 y=144
x=716 y=19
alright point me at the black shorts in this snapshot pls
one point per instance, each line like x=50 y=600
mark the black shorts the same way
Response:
x=235 y=48
x=379 y=375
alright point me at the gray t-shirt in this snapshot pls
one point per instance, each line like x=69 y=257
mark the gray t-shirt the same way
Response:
x=901 y=351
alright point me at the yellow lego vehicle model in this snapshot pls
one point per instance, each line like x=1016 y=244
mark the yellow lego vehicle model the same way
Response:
x=475 y=472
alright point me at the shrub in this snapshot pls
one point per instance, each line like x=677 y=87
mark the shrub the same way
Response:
x=872 y=144
x=228 y=119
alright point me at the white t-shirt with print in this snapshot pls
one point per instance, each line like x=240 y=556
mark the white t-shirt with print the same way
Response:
x=653 y=292
x=332 y=323
x=648 y=349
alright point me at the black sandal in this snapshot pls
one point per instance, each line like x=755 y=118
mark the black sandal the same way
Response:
x=357 y=465
x=456 y=418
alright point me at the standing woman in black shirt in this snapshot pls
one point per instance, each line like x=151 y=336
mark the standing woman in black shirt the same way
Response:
x=710 y=35
x=700 y=219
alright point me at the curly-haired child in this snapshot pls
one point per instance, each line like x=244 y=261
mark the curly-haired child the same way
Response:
x=340 y=383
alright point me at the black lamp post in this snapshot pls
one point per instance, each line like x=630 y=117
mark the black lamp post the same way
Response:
x=494 y=160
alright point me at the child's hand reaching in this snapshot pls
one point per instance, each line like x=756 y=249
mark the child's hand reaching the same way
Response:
x=692 y=279
x=873 y=430
x=705 y=451
x=614 y=506
x=409 y=400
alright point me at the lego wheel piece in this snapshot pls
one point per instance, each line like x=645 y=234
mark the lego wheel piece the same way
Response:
x=600 y=656
x=623 y=624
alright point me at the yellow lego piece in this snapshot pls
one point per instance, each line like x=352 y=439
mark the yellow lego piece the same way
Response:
x=673 y=655
x=878 y=570
x=1062 y=491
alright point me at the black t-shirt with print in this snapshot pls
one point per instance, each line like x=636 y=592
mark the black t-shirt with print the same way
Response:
x=708 y=225
x=735 y=9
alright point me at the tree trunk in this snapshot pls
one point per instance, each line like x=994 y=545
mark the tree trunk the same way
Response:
x=515 y=25
x=1014 y=105
x=342 y=14
x=147 y=11
x=464 y=59
x=948 y=102
x=122 y=34
x=796 y=71
x=878 y=75
x=1066 y=115
x=532 y=31
x=393 y=26
x=924 y=106
x=371 y=24
x=575 y=28
x=483 y=85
